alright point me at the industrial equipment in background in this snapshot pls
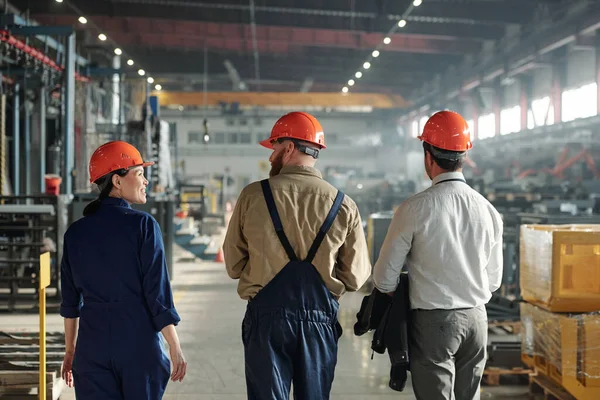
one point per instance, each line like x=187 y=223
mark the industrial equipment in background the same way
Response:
x=29 y=226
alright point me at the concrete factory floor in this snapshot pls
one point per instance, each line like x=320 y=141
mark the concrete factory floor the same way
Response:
x=210 y=331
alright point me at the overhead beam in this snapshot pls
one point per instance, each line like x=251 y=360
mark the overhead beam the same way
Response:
x=219 y=83
x=193 y=35
x=491 y=13
x=265 y=99
x=190 y=62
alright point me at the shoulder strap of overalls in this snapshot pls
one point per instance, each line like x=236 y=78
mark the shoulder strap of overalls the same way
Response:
x=276 y=220
x=337 y=203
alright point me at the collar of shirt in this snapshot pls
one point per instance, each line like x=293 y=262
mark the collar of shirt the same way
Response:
x=448 y=175
x=300 y=169
x=113 y=201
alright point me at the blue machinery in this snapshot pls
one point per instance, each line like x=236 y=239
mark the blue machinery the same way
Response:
x=17 y=25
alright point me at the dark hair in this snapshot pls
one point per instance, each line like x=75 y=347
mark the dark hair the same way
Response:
x=302 y=146
x=446 y=160
x=105 y=184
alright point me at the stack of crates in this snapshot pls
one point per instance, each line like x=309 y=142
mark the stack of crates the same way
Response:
x=560 y=283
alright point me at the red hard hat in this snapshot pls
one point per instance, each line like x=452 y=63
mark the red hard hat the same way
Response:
x=447 y=130
x=297 y=125
x=113 y=156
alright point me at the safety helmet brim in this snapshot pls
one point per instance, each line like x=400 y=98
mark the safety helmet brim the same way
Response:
x=267 y=143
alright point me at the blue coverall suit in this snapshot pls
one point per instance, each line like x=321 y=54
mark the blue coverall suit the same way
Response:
x=290 y=331
x=115 y=278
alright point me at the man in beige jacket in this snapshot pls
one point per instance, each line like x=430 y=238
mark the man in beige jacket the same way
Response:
x=297 y=245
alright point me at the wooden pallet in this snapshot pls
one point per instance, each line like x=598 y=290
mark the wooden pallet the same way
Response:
x=492 y=375
x=542 y=385
x=19 y=365
x=510 y=327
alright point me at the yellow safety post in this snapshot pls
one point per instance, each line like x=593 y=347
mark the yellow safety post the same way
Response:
x=44 y=283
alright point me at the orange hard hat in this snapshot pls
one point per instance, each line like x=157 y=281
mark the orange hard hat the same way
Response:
x=297 y=125
x=447 y=130
x=113 y=156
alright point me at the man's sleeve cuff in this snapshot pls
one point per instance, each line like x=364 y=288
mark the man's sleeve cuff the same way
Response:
x=166 y=318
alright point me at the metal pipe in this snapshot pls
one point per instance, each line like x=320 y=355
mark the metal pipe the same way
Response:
x=3 y=151
x=16 y=180
x=116 y=92
x=69 y=115
x=148 y=132
x=15 y=15
x=40 y=56
x=254 y=44
x=43 y=138
x=121 y=107
x=26 y=139
x=205 y=81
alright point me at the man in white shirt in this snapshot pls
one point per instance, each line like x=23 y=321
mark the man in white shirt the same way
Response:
x=449 y=239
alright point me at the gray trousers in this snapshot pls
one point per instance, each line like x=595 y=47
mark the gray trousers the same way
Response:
x=448 y=353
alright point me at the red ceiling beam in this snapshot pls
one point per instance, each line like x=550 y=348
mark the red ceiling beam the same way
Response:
x=193 y=35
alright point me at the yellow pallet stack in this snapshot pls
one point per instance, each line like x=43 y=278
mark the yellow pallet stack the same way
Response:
x=560 y=282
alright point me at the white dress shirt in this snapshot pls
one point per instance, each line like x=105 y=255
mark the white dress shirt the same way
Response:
x=449 y=237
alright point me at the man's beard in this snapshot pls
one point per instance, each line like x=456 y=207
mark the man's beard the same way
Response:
x=276 y=165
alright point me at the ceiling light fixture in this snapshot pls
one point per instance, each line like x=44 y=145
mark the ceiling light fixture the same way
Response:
x=83 y=20
x=141 y=72
x=150 y=79
x=59 y=1
x=118 y=51
x=158 y=87
x=130 y=62
x=345 y=89
x=386 y=40
x=102 y=37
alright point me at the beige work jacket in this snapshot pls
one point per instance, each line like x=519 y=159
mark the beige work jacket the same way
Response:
x=254 y=254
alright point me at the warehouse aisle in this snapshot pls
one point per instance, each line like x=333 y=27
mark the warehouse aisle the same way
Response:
x=210 y=333
x=210 y=330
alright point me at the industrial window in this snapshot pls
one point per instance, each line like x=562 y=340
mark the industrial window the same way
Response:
x=415 y=128
x=471 y=124
x=510 y=120
x=233 y=137
x=487 y=126
x=219 y=138
x=422 y=123
x=194 y=137
x=245 y=137
x=537 y=114
x=581 y=102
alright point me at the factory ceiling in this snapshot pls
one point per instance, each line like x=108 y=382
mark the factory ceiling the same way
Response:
x=294 y=45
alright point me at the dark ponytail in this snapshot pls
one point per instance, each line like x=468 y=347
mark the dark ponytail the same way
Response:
x=105 y=185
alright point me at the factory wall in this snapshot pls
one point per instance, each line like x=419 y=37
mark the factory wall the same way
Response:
x=353 y=142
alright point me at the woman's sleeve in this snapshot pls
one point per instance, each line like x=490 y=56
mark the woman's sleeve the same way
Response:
x=155 y=276
x=70 y=305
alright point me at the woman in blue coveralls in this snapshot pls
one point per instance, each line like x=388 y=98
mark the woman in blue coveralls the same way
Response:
x=116 y=295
